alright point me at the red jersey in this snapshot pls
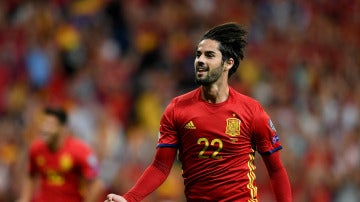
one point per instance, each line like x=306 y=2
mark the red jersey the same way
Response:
x=62 y=172
x=217 y=144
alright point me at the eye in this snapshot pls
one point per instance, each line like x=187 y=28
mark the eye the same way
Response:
x=209 y=55
x=198 y=54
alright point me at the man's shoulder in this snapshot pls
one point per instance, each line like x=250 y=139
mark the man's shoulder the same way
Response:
x=37 y=145
x=187 y=97
x=76 y=147
x=75 y=142
x=244 y=99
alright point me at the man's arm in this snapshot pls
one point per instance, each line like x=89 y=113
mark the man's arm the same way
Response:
x=27 y=189
x=278 y=177
x=94 y=189
x=152 y=178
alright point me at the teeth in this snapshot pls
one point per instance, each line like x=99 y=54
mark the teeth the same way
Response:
x=201 y=69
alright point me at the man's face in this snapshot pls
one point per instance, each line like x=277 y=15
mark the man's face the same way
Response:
x=50 y=128
x=208 y=62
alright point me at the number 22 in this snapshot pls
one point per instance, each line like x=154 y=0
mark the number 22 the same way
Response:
x=206 y=142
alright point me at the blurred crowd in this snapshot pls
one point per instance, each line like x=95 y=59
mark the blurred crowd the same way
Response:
x=115 y=65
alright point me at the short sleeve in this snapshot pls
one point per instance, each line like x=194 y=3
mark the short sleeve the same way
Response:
x=31 y=165
x=265 y=135
x=89 y=164
x=168 y=136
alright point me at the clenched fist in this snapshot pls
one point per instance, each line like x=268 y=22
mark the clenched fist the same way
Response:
x=115 y=198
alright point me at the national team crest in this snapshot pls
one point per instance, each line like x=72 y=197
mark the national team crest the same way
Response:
x=233 y=127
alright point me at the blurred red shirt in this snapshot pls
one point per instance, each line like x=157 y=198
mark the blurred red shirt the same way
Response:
x=62 y=172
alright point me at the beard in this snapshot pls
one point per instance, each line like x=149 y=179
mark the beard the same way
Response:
x=211 y=77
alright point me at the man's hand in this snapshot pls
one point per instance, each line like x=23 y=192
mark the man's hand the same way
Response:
x=115 y=198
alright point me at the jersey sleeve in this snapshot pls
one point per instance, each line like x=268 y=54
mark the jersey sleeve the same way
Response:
x=31 y=166
x=88 y=162
x=168 y=136
x=265 y=135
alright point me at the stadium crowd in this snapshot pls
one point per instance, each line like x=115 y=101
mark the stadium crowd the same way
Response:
x=114 y=65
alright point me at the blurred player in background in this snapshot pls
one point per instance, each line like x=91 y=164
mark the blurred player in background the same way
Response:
x=61 y=167
x=216 y=131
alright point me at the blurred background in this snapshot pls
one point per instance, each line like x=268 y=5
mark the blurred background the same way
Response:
x=115 y=65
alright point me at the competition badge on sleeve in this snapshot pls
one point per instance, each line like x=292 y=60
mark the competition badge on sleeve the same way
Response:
x=275 y=138
x=272 y=126
x=92 y=161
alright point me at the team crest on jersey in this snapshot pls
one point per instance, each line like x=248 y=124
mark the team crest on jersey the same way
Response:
x=233 y=127
x=66 y=162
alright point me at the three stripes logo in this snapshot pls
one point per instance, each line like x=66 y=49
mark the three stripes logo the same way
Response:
x=190 y=125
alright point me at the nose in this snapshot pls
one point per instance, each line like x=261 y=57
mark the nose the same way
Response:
x=199 y=61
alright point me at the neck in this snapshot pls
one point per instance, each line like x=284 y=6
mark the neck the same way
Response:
x=215 y=93
x=56 y=142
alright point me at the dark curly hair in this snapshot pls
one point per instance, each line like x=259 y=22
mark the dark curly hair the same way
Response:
x=59 y=113
x=231 y=38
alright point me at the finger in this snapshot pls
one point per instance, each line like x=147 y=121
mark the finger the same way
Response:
x=116 y=198
x=109 y=198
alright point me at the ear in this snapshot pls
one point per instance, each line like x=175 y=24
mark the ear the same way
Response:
x=228 y=64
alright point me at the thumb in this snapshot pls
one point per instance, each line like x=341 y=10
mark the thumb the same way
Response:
x=116 y=198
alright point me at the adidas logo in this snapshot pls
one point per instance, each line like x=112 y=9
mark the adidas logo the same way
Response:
x=190 y=125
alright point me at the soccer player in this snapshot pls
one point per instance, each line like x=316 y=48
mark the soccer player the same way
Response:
x=63 y=167
x=216 y=131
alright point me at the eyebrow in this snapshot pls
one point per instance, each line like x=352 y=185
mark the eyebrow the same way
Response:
x=210 y=52
x=206 y=52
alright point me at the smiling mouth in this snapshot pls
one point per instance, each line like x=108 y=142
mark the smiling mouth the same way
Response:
x=201 y=69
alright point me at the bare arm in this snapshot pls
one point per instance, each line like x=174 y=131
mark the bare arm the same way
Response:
x=27 y=190
x=94 y=189
x=278 y=177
